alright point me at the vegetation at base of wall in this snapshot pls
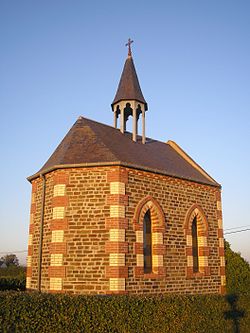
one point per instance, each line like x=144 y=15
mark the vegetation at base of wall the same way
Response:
x=237 y=272
x=34 y=312
x=9 y=283
x=12 y=278
x=13 y=271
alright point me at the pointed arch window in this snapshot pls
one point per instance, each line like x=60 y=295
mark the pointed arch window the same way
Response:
x=195 y=249
x=147 y=243
x=149 y=226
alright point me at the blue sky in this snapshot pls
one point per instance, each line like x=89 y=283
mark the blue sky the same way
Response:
x=62 y=59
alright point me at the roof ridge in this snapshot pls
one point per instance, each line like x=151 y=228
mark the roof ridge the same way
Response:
x=94 y=121
x=110 y=126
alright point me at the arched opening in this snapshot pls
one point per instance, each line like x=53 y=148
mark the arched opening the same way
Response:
x=195 y=246
x=149 y=226
x=128 y=111
x=197 y=250
x=147 y=242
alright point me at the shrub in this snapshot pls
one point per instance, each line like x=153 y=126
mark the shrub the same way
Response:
x=12 y=278
x=34 y=312
x=7 y=283
x=13 y=271
x=237 y=272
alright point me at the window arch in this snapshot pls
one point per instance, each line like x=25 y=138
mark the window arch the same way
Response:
x=196 y=233
x=149 y=226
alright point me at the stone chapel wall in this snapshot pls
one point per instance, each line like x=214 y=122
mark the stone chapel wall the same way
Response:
x=92 y=243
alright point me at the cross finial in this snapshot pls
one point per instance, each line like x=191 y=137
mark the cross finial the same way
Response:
x=130 y=41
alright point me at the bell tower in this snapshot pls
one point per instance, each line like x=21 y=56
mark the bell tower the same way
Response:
x=129 y=100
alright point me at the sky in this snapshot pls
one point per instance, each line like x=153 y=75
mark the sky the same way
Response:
x=61 y=59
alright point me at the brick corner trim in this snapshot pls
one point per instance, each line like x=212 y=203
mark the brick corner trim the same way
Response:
x=116 y=224
x=58 y=225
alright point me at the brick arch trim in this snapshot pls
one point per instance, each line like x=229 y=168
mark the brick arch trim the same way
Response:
x=158 y=228
x=196 y=211
x=157 y=214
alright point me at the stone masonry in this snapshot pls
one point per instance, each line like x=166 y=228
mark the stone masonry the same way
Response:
x=92 y=236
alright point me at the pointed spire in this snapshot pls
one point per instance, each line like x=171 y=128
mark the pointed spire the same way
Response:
x=129 y=100
x=129 y=87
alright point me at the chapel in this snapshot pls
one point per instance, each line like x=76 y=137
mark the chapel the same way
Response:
x=114 y=212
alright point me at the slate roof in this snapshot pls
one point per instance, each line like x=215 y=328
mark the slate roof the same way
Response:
x=90 y=142
x=129 y=87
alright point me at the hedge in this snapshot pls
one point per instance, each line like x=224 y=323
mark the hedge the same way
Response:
x=10 y=283
x=12 y=278
x=13 y=271
x=34 y=312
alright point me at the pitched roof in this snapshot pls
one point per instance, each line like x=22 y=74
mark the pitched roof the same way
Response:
x=129 y=87
x=91 y=143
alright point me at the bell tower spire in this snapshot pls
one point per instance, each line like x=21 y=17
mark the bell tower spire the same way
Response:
x=129 y=100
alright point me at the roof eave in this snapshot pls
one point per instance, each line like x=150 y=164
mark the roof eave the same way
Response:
x=116 y=163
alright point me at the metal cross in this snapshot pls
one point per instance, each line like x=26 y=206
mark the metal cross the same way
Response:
x=130 y=41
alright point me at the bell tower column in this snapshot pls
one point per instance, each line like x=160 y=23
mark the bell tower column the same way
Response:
x=143 y=127
x=122 y=121
x=135 y=127
x=115 y=119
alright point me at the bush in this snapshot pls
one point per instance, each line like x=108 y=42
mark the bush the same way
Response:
x=34 y=312
x=237 y=272
x=13 y=271
x=7 y=283
x=12 y=278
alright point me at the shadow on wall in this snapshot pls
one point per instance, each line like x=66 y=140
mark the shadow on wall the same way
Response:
x=234 y=314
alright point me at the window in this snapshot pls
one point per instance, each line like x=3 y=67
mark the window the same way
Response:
x=197 y=250
x=149 y=227
x=195 y=246
x=147 y=243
